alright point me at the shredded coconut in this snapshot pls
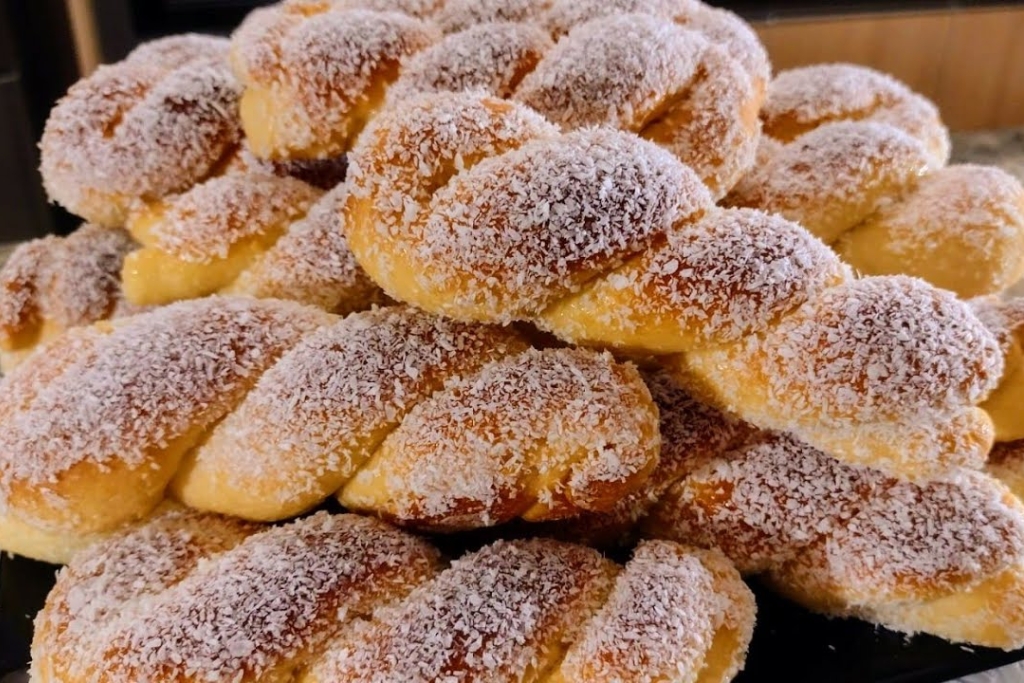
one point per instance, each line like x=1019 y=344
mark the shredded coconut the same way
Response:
x=72 y=281
x=494 y=615
x=557 y=427
x=260 y=608
x=203 y=224
x=492 y=57
x=315 y=417
x=152 y=124
x=659 y=621
x=145 y=384
x=805 y=98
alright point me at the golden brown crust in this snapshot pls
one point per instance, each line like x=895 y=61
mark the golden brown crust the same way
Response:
x=693 y=98
x=92 y=440
x=569 y=230
x=154 y=123
x=191 y=597
x=315 y=72
x=850 y=541
x=799 y=100
x=195 y=597
x=262 y=409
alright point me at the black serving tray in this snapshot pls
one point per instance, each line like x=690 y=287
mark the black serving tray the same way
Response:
x=790 y=644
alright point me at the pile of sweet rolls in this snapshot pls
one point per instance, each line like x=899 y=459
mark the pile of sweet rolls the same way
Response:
x=583 y=273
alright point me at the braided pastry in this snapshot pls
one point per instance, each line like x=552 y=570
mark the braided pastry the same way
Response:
x=155 y=123
x=1006 y=403
x=800 y=100
x=854 y=174
x=946 y=557
x=479 y=209
x=192 y=597
x=663 y=80
x=251 y=233
x=315 y=72
x=51 y=284
x=243 y=407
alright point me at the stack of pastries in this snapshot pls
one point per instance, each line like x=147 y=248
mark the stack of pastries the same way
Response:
x=579 y=272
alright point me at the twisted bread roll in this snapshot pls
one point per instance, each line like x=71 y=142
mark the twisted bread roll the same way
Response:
x=672 y=85
x=251 y=233
x=854 y=174
x=945 y=558
x=315 y=72
x=155 y=123
x=51 y=284
x=479 y=209
x=800 y=100
x=244 y=407
x=325 y=174
x=1006 y=463
x=193 y=597
x=692 y=434
x=1006 y=404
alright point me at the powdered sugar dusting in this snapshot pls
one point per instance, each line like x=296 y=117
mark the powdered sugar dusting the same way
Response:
x=147 y=383
x=804 y=98
x=259 y=609
x=72 y=281
x=203 y=224
x=152 y=124
x=491 y=57
x=312 y=264
x=494 y=615
x=567 y=428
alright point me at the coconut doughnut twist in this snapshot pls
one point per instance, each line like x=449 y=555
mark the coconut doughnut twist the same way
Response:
x=866 y=176
x=800 y=100
x=349 y=598
x=155 y=123
x=1005 y=318
x=479 y=209
x=251 y=233
x=665 y=81
x=945 y=557
x=836 y=538
x=52 y=284
x=315 y=72
x=243 y=406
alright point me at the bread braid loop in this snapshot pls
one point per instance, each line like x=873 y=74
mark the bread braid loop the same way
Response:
x=604 y=238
